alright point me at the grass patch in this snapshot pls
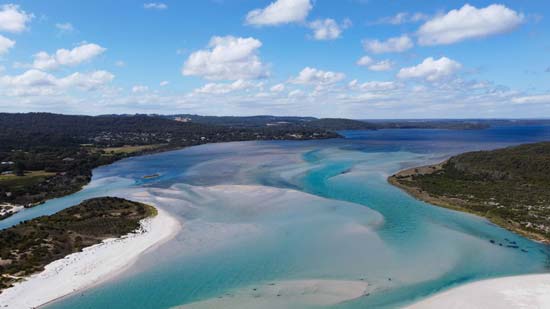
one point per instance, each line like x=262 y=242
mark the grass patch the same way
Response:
x=129 y=149
x=30 y=178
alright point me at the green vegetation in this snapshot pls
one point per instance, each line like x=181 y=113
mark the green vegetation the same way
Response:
x=509 y=186
x=66 y=148
x=13 y=182
x=128 y=149
x=340 y=124
x=28 y=247
x=434 y=124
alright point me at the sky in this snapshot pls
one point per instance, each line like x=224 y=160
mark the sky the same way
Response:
x=326 y=58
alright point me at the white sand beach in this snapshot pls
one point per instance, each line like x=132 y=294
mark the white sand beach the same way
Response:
x=529 y=291
x=93 y=265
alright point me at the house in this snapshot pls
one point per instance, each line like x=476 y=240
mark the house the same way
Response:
x=7 y=163
x=68 y=159
x=7 y=173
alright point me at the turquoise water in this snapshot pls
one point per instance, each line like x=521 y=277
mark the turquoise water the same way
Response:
x=266 y=213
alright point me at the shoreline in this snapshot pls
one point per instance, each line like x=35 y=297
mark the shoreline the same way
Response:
x=454 y=204
x=92 y=266
x=525 y=291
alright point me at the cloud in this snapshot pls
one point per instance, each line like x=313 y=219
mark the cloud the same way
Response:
x=5 y=44
x=533 y=99
x=39 y=83
x=328 y=29
x=373 y=85
x=295 y=93
x=402 y=18
x=155 y=6
x=383 y=65
x=280 y=12
x=364 y=61
x=139 y=89
x=65 y=57
x=371 y=64
x=277 y=88
x=86 y=81
x=431 y=70
x=468 y=22
x=223 y=88
x=391 y=45
x=120 y=63
x=13 y=19
x=312 y=76
x=164 y=83
x=64 y=27
x=227 y=58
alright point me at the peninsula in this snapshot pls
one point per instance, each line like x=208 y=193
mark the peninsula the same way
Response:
x=508 y=186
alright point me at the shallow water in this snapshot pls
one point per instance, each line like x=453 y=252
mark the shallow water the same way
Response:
x=263 y=220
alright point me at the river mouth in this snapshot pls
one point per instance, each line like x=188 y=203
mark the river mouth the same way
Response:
x=311 y=216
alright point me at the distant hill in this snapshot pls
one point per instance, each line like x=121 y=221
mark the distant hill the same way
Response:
x=331 y=124
x=433 y=124
x=24 y=130
x=242 y=121
x=510 y=186
x=338 y=124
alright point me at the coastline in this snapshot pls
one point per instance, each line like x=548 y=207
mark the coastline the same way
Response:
x=526 y=291
x=453 y=204
x=94 y=265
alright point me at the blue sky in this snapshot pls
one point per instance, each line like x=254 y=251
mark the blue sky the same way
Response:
x=327 y=58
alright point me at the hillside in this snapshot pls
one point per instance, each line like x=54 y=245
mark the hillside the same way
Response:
x=47 y=155
x=509 y=186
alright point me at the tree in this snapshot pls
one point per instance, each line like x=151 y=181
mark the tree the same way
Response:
x=19 y=168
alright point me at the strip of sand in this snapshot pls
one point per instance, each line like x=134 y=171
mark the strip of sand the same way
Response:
x=92 y=266
x=529 y=291
x=287 y=294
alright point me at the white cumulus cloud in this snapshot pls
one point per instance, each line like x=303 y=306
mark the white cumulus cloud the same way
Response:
x=328 y=29
x=227 y=58
x=431 y=69
x=391 y=45
x=373 y=85
x=468 y=22
x=39 y=83
x=313 y=76
x=87 y=81
x=373 y=65
x=13 y=19
x=280 y=12
x=66 y=57
x=364 y=61
x=383 y=65
x=5 y=44
x=223 y=88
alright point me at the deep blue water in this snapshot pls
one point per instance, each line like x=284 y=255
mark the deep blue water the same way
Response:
x=258 y=213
